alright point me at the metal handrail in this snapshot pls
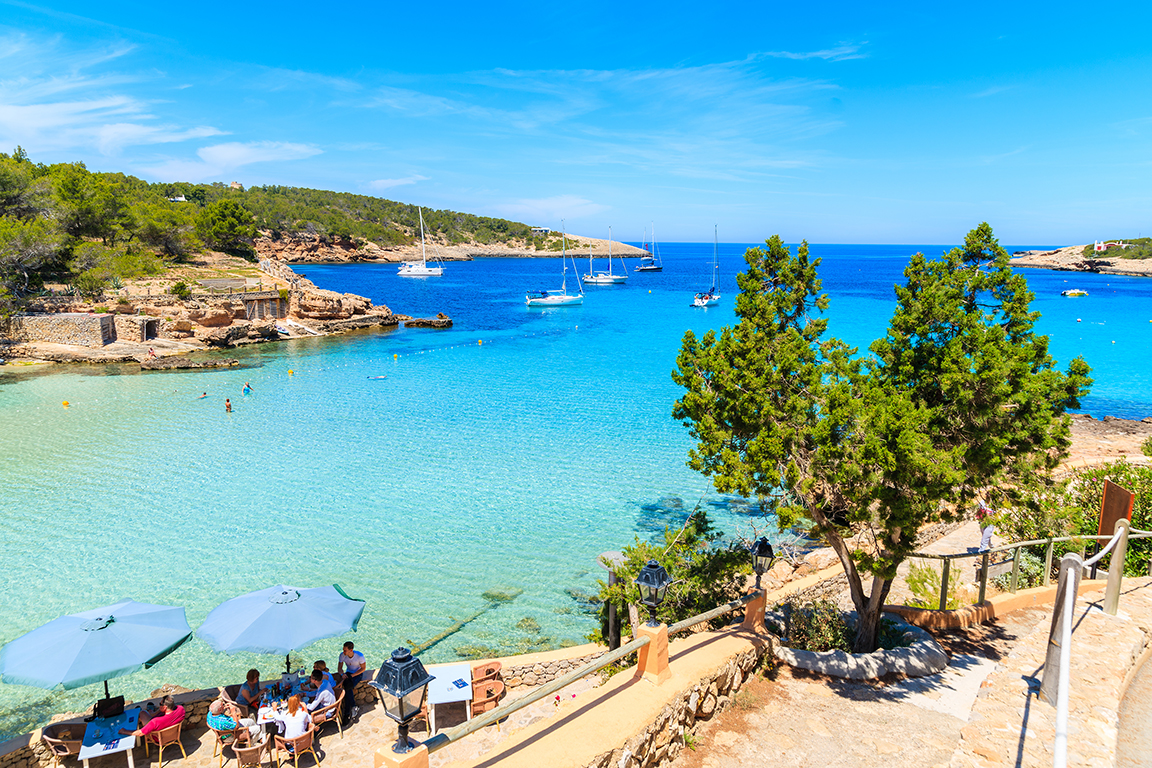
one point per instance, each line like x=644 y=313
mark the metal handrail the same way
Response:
x=443 y=739
x=1071 y=566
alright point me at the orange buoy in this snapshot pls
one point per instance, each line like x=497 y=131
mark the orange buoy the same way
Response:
x=65 y=403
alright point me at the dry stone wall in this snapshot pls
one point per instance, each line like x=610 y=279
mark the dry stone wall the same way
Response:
x=81 y=330
x=526 y=675
x=660 y=743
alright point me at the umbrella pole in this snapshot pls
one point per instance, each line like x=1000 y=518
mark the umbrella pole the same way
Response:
x=287 y=663
x=106 y=694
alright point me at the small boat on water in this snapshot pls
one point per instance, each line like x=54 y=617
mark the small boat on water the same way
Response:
x=1074 y=292
x=711 y=297
x=605 y=278
x=650 y=261
x=560 y=298
x=421 y=268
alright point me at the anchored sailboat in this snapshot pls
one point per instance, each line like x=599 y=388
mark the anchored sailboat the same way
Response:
x=421 y=268
x=711 y=297
x=650 y=261
x=560 y=298
x=605 y=278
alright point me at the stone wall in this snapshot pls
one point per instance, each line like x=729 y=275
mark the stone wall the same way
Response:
x=82 y=330
x=543 y=672
x=660 y=743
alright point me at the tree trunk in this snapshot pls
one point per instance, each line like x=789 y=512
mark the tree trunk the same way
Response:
x=868 y=620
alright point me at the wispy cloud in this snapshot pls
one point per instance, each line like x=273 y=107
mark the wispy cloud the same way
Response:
x=548 y=210
x=839 y=53
x=382 y=184
x=991 y=91
x=53 y=98
x=219 y=159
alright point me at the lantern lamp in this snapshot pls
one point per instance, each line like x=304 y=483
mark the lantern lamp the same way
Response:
x=761 y=558
x=652 y=582
x=402 y=683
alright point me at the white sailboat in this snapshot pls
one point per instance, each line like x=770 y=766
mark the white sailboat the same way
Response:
x=650 y=262
x=560 y=298
x=605 y=278
x=421 y=268
x=711 y=297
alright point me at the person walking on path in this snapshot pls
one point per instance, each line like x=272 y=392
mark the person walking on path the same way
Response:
x=984 y=519
x=357 y=666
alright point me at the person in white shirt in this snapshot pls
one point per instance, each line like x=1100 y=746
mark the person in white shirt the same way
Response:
x=324 y=696
x=986 y=527
x=293 y=723
x=357 y=665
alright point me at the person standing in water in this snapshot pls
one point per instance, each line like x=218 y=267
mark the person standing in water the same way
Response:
x=247 y=388
x=227 y=405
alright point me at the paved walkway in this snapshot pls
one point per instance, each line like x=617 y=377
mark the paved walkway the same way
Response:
x=981 y=711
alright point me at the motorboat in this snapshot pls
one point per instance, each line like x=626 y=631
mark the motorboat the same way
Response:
x=1074 y=292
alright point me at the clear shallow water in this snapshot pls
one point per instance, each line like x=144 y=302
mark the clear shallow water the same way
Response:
x=503 y=465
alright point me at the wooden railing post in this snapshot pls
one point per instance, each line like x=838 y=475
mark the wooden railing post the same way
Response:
x=1015 y=569
x=1116 y=568
x=1048 y=563
x=944 y=584
x=983 y=577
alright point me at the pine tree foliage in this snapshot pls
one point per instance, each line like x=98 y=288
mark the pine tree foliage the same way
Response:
x=959 y=395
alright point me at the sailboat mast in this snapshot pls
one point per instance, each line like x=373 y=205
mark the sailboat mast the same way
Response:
x=423 y=253
x=715 y=257
x=609 y=251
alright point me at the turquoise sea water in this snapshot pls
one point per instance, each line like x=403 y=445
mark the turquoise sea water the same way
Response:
x=507 y=464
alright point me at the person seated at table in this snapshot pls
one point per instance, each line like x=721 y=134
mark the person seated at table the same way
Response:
x=295 y=721
x=249 y=694
x=224 y=715
x=327 y=681
x=168 y=714
x=324 y=695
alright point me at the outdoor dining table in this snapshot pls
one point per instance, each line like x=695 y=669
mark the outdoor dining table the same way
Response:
x=451 y=682
x=103 y=737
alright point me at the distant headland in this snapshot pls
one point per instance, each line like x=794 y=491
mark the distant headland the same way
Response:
x=1131 y=258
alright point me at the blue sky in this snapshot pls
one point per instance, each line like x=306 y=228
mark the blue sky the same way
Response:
x=834 y=122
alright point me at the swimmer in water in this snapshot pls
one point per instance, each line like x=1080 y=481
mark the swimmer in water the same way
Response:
x=247 y=388
x=202 y=396
x=227 y=405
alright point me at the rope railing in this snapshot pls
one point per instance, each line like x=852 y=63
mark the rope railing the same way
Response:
x=1014 y=548
x=441 y=740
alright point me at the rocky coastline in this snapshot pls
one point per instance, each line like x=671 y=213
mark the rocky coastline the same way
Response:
x=312 y=249
x=1071 y=259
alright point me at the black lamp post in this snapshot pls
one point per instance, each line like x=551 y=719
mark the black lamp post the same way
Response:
x=761 y=558
x=402 y=683
x=653 y=584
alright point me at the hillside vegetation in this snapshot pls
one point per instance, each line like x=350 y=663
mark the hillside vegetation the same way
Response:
x=1142 y=249
x=63 y=223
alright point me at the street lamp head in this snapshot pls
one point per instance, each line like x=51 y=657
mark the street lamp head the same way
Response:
x=761 y=558
x=402 y=683
x=652 y=583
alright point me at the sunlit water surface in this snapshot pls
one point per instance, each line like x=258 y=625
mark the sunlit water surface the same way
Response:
x=503 y=454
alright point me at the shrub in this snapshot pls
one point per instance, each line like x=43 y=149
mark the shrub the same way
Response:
x=1031 y=573
x=1146 y=447
x=924 y=583
x=819 y=626
x=181 y=291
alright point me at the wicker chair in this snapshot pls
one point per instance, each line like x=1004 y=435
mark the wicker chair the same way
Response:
x=247 y=757
x=330 y=713
x=233 y=693
x=485 y=696
x=59 y=747
x=225 y=739
x=297 y=745
x=484 y=672
x=164 y=738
